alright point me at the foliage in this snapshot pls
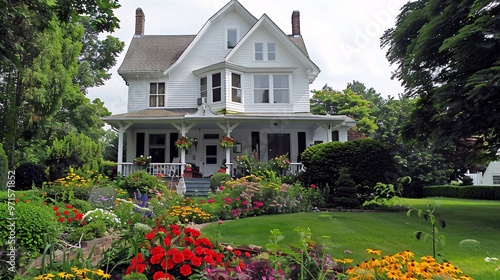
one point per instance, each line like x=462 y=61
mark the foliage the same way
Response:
x=183 y=143
x=368 y=161
x=344 y=194
x=135 y=276
x=468 y=192
x=403 y=265
x=33 y=223
x=30 y=174
x=89 y=231
x=74 y=151
x=82 y=205
x=345 y=102
x=139 y=180
x=456 y=92
x=436 y=239
x=102 y=197
x=227 y=142
x=387 y=195
x=4 y=168
x=218 y=179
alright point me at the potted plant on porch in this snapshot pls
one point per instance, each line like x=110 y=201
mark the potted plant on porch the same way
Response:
x=183 y=143
x=227 y=142
x=188 y=171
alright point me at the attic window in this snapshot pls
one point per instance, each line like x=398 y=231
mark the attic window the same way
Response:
x=265 y=51
x=496 y=180
x=232 y=37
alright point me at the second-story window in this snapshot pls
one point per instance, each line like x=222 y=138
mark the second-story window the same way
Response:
x=203 y=87
x=271 y=89
x=157 y=95
x=271 y=51
x=259 y=51
x=235 y=87
x=216 y=87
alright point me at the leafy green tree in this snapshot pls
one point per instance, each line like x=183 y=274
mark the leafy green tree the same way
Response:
x=345 y=102
x=4 y=169
x=447 y=56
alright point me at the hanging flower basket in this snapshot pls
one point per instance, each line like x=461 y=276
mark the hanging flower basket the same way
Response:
x=183 y=143
x=142 y=161
x=227 y=142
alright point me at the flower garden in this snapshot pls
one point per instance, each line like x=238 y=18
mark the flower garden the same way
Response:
x=157 y=237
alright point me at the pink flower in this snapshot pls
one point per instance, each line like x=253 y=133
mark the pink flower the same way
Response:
x=313 y=186
x=221 y=188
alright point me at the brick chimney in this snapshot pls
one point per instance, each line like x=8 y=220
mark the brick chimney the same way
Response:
x=140 y=21
x=296 y=23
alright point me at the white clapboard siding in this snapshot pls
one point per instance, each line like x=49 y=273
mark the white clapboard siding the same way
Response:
x=492 y=170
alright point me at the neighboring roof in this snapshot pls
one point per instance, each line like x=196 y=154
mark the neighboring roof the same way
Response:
x=148 y=53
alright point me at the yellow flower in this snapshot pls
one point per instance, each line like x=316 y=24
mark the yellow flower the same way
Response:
x=374 y=251
x=65 y=275
x=99 y=272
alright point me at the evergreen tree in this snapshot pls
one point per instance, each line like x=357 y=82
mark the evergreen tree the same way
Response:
x=345 y=195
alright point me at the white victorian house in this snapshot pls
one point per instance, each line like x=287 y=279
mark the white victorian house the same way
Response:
x=240 y=76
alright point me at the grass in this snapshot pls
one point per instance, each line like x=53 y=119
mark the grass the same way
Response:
x=390 y=232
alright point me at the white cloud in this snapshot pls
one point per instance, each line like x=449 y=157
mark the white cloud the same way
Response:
x=342 y=37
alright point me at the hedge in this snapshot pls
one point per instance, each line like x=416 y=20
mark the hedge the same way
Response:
x=469 y=192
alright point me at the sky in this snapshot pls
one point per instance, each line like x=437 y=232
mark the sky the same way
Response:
x=341 y=36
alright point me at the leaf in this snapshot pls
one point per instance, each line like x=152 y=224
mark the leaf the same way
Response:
x=426 y=216
x=408 y=213
x=469 y=243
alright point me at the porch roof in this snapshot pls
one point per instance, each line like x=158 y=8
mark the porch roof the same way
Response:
x=159 y=117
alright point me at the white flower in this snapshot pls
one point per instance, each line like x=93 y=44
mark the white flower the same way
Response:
x=488 y=259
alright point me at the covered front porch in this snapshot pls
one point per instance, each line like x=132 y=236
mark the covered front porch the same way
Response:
x=153 y=133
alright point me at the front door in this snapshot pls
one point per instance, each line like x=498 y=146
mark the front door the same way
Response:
x=211 y=160
x=278 y=144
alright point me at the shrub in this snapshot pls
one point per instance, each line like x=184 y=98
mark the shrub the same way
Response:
x=32 y=223
x=82 y=205
x=218 y=179
x=87 y=232
x=29 y=174
x=109 y=168
x=30 y=196
x=4 y=168
x=76 y=151
x=139 y=180
x=368 y=161
x=108 y=217
x=345 y=191
x=467 y=192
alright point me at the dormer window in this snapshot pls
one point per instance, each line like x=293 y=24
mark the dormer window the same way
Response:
x=232 y=37
x=157 y=95
x=265 y=51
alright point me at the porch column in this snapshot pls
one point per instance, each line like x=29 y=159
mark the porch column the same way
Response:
x=121 y=131
x=328 y=128
x=228 y=128
x=183 y=129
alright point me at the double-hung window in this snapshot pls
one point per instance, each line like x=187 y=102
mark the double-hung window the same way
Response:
x=236 y=87
x=232 y=37
x=216 y=87
x=264 y=51
x=271 y=89
x=157 y=95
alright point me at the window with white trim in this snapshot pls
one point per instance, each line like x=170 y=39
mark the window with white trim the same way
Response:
x=216 y=87
x=203 y=87
x=271 y=88
x=236 y=87
x=157 y=95
x=232 y=37
x=264 y=51
x=496 y=179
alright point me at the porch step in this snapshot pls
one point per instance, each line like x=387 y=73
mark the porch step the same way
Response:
x=197 y=186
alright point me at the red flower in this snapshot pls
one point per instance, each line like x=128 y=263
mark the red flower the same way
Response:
x=313 y=186
x=237 y=253
x=57 y=214
x=196 y=261
x=187 y=254
x=69 y=206
x=247 y=254
x=167 y=240
x=156 y=258
x=70 y=219
x=61 y=219
x=159 y=275
x=79 y=216
x=150 y=235
x=178 y=257
x=55 y=208
x=186 y=270
x=66 y=213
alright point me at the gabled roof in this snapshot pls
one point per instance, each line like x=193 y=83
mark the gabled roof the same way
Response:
x=160 y=53
x=151 y=53
x=295 y=45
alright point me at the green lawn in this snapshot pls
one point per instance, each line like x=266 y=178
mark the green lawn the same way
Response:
x=390 y=232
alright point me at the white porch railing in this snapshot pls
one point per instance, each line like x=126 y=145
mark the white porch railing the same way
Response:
x=173 y=169
x=165 y=169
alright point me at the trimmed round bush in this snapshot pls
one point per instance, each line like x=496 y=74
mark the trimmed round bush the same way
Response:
x=33 y=222
x=139 y=180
